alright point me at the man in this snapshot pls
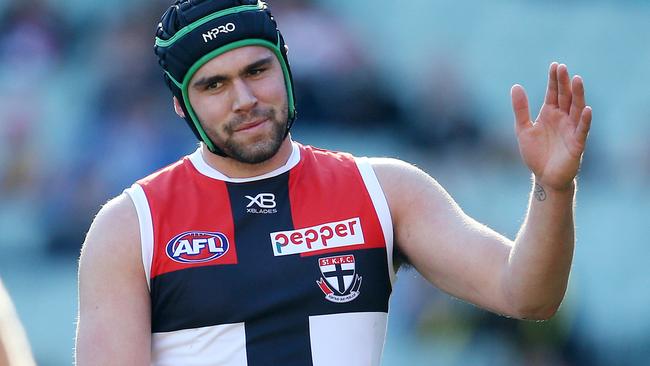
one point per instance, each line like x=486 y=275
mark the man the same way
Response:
x=256 y=250
x=14 y=347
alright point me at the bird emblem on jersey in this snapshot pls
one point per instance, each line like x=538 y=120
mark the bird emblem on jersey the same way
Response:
x=339 y=282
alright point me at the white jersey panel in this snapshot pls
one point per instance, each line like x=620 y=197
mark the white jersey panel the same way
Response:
x=223 y=345
x=381 y=207
x=146 y=227
x=350 y=339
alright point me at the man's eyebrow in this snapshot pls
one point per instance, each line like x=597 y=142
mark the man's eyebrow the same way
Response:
x=207 y=80
x=259 y=63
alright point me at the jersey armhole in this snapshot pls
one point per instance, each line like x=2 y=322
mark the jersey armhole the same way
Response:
x=381 y=208
x=146 y=227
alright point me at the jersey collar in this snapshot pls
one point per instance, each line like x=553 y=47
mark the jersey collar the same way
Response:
x=196 y=158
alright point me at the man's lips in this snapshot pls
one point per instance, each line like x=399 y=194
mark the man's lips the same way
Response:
x=250 y=125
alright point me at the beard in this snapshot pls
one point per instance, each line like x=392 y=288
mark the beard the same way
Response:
x=251 y=152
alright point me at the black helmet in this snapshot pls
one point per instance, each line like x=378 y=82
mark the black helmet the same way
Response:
x=192 y=32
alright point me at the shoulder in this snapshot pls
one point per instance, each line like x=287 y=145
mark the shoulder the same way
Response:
x=117 y=217
x=114 y=236
x=409 y=190
x=390 y=168
x=396 y=175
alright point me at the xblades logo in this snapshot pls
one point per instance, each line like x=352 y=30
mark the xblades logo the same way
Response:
x=265 y=203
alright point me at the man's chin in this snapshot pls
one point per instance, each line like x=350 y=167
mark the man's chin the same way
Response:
x=253 y=152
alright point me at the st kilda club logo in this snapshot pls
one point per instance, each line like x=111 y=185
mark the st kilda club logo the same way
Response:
x=339 y=281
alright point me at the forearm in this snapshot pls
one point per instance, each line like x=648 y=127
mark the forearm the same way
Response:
x=540 y=261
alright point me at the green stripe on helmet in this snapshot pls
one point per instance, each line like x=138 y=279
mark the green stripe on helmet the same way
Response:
x=190 y=27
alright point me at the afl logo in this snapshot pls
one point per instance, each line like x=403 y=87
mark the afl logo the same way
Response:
x=197 y=247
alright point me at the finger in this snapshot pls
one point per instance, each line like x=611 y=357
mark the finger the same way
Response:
x=564 y=88
x=578 y=99
x=520 y=108
x=582 y=131
x=551 y=89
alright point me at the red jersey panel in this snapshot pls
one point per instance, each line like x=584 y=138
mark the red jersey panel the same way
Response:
x=191 y=216
x=330 y=190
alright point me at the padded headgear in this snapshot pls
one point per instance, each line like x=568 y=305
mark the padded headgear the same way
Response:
x=193 y=32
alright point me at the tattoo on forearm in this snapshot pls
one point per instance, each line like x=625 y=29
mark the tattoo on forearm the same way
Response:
x=540 y=193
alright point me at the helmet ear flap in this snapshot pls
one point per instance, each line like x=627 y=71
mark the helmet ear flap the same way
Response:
x=170 y=84
x=176 y=92
x=284 y=50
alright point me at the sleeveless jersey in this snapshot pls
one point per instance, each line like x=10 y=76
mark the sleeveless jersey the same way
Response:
x=293 y=267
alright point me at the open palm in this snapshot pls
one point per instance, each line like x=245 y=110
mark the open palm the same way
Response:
x=552 y=146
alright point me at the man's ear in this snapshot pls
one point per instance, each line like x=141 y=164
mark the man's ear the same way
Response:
x=178 y=109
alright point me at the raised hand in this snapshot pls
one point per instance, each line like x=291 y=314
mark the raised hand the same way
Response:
x=552 y=146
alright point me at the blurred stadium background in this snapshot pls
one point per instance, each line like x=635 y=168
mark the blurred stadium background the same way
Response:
x=84 y=112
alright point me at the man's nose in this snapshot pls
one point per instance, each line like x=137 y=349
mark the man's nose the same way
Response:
x=243 y=97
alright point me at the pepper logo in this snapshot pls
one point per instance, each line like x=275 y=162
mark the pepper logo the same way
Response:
x=331 y=235
x=197 y=246
x=340 y=283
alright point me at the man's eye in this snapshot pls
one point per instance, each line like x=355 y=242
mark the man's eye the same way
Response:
x=257 y=71
x=213 y=86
